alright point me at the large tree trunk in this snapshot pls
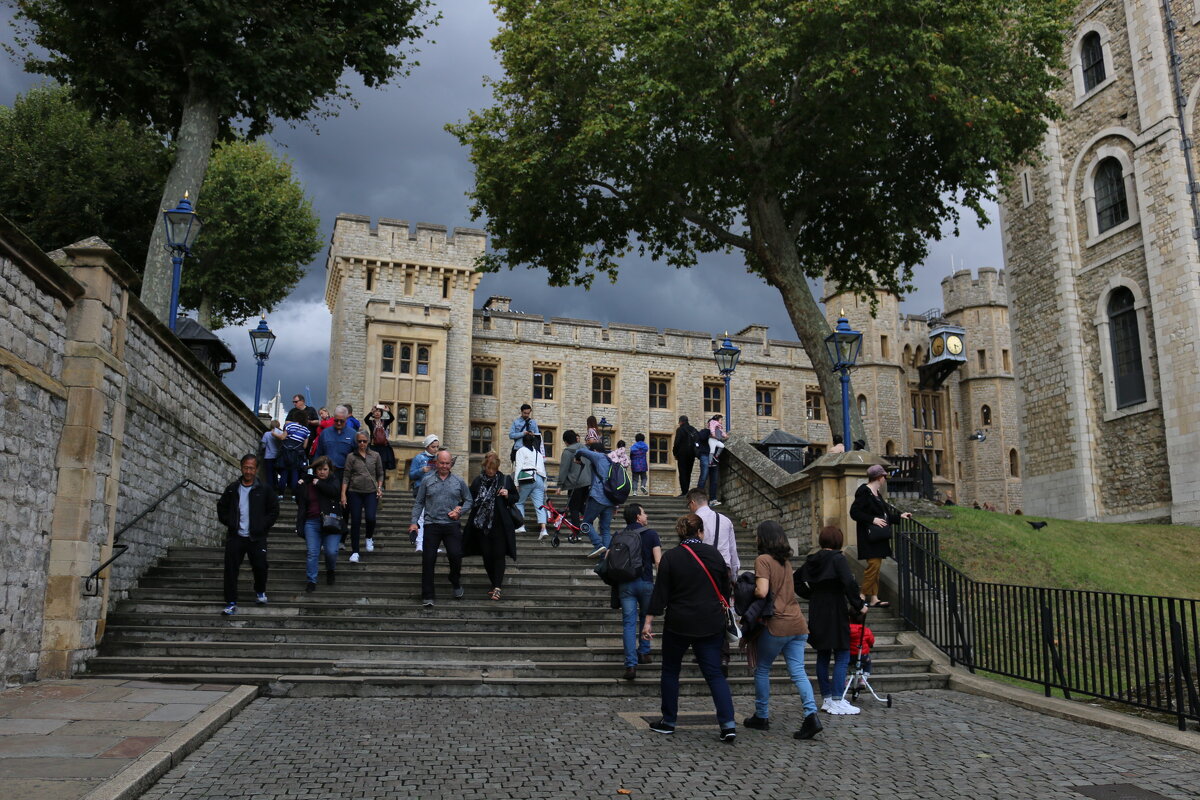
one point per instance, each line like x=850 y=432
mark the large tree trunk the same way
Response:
x=193 y=148
x=204 y=312
x=776 y=249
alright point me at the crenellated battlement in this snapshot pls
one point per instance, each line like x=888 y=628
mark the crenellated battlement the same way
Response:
x=397 y=240
x=964 y=290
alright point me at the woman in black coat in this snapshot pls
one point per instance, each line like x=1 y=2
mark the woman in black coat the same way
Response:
x=869 y=511
x=491 y=531
x=825 y=579
x=319 y=494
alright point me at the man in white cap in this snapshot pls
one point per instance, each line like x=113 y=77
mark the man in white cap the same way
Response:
x=422 y=465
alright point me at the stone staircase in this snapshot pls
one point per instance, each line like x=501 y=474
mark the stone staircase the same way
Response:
x=553 y=634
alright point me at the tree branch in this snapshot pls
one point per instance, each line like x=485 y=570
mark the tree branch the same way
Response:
x=708 y=226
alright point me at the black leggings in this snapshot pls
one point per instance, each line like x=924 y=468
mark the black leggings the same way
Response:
x=494 y=546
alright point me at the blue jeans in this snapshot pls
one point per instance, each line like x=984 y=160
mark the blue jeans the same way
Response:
x=708 y=655
x=769 y=648
x=317 y=541
x=536 y=489
x=635 y=599
x=360 y=504
x=605 y=513
x=704 y=459
x=841 y=660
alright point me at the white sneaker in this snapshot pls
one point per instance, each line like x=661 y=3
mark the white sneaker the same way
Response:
x=842 y=707
x=599 y=551
x=543 y=534
x=827 y=706
x=354 y=558
x=520 y=529
x=714 y=502
x=370 y=545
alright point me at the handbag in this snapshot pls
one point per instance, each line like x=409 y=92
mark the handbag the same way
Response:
x=526 y=476
x=331 y=523
x=518 y=517
x=877 y=534
x=733 y=631
x=379 y=435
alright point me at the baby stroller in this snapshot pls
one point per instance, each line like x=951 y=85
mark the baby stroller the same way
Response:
x=860 y=674
x=556 y=519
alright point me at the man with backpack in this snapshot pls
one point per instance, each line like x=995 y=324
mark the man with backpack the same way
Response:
x=610 y=487
x=629 y=565
x=684 y=450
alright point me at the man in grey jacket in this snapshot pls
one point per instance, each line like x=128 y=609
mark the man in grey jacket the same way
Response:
x=574 y=477
x=444 y=499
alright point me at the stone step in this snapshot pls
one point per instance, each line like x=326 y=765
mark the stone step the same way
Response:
x=287 y=683
x=417 y=634
x=367 y=574
x=345 y=618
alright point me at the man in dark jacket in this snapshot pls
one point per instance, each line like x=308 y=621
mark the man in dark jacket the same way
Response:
x=574 y=477
x=684 y=450
x=248 y=511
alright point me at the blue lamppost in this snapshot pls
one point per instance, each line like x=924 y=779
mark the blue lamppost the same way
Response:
x=727 y=358
x=843 y=345
x=182 y=226
x=261 y=341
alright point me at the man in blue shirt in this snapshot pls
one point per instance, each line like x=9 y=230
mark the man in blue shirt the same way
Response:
x=519 y=426
x=337 y=441
x=598 y=504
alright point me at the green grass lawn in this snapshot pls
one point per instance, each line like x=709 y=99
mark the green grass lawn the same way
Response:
x=1136 y=559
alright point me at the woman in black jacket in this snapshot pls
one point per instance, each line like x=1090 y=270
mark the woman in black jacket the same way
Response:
x=687 y=589
x=869 y=511
x=831 y=590
x=491 y=531
x=319 y=494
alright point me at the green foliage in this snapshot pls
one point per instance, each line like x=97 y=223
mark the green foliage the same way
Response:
x=823 y=136
x=1136 y=559
x=260 y=61
x=259 y=233
x=65 y=176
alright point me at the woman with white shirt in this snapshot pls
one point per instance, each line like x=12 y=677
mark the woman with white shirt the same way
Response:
x=530 y=471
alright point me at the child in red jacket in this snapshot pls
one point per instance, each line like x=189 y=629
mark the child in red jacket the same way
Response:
x=861 y=637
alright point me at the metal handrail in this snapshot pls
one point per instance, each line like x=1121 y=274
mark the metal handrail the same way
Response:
x=1138 y=650
x=736 y=466
x=91 y=585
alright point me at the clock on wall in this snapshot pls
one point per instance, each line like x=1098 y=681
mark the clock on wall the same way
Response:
x=954 y=345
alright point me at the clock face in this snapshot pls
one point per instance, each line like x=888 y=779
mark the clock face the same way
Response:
x=938 y=346
x=954 y=344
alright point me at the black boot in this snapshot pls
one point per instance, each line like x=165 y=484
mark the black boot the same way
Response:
x=809 y=728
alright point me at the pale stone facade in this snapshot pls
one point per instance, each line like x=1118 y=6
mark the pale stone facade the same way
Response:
x=1102 y=261
x=389 y=288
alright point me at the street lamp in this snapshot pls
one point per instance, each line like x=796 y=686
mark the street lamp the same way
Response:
x=727 y=357
x=261 y=341
x=605 y=427
x=182 y=226
x=843 y=345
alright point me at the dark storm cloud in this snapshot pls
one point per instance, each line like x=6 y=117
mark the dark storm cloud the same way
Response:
x=391 y=157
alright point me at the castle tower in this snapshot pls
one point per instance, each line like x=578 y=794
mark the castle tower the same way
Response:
x=401 y=333
x=1102 y=267
x=983 y=391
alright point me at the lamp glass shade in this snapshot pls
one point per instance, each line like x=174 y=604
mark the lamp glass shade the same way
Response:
x=727 y=356
x=182 y=225
x=262 y=340
x=843 y=345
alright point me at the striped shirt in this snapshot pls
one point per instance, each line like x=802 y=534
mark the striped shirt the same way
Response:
x=296 y=432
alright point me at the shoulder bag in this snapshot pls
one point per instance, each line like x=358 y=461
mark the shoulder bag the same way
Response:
x=733 y=631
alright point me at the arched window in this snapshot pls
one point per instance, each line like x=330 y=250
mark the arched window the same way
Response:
x=1126 y=345
x=1091 y=55
x=862 y=405
x=1014 y=467
x=985 y=416
x=889 y=449
x=1112 y=207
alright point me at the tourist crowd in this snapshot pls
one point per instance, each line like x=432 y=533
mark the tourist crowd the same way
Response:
x=334 y=468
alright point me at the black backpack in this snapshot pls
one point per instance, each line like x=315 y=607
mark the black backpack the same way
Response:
x=701 y=438
x=616 y=484
x=623 y=561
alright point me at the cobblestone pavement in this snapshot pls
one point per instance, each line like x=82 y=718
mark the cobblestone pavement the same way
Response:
x=931 y=744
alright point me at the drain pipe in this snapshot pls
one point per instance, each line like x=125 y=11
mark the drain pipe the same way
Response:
x=1181 y=109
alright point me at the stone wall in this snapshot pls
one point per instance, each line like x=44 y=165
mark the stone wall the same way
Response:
x=34 y=298
x=104 y=410
x=755 y=489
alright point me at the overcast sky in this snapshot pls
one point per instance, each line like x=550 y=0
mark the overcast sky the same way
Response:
x=391 y=157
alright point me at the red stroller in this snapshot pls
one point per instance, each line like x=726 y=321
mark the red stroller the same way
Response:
x=556 y=519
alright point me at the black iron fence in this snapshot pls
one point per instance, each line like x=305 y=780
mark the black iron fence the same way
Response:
x=1139 y=650
x=910 y=476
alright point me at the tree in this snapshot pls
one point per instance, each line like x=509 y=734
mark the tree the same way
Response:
x=65 y=176
x=820 y=137
x=194 y=70
x=259 y=233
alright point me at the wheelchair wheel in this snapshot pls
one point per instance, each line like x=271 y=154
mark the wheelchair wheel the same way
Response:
x=586 y=530
x=889 y=701
x=554 y=542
